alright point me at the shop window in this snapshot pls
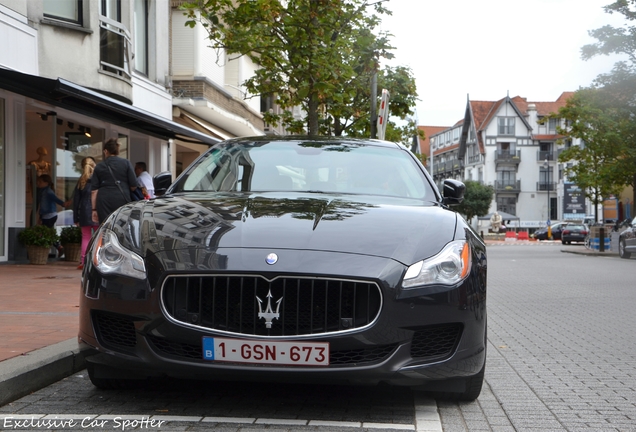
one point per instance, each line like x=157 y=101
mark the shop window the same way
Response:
x=2 y=176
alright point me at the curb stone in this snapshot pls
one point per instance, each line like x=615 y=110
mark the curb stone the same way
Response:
x=37 y=369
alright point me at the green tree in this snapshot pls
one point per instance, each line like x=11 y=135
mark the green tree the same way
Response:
x=598 y=166
x=477 y=199
x=618 y=87
x=354 y=118
x=612 y=40
x=309 y=52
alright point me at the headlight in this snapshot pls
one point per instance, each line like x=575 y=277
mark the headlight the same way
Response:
x=110 y=257
x=448 y=267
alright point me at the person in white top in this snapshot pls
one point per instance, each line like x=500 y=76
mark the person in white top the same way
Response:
x=144 y=179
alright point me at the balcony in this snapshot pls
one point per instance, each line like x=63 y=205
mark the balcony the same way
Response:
x=451 y=166
x=511 y=186
x=545 y=155
x=456 y=165
x=543 y=186
x=508 y=157
x=474 y=159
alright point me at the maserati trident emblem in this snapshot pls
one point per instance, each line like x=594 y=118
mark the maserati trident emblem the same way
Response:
x=268 y=313
x=271 y=259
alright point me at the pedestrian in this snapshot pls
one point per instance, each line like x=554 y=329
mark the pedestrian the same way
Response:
x=82 y=205
x=113 y=180
x=47 y=205
x=144 y=179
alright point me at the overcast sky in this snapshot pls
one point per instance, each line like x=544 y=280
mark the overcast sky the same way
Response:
x=485 y=49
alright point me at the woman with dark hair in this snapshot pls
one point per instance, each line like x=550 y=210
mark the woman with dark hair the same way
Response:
x=113 y=180
x=82 y=207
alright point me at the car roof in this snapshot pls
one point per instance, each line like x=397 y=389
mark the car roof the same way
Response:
x=321 y=139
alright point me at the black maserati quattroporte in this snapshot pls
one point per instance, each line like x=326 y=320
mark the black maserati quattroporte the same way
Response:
x=290 y=259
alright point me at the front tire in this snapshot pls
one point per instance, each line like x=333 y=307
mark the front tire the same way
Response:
x=472 y=389
x=621 y=250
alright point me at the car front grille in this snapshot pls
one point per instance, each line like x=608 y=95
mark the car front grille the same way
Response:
x=284 y=306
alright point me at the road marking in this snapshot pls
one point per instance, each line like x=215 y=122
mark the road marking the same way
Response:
x=426 y=414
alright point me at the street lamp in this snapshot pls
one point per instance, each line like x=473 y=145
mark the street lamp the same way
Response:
x=546 y=165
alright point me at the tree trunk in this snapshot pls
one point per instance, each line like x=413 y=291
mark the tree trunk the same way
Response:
x=312 y=115
x=337 y=127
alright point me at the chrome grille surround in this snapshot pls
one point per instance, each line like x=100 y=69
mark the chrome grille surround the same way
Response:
x=309 y=306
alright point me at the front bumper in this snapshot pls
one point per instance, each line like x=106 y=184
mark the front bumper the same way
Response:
x=419 y=336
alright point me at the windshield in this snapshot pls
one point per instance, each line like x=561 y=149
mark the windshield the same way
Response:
x=312 y=166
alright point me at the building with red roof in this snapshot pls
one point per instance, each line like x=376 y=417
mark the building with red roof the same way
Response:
x=506 y=144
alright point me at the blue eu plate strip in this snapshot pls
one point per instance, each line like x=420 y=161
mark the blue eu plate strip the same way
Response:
x=208 y=348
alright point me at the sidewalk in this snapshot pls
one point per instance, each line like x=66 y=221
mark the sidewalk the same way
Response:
x=39 y=320
x=38 y=326
x=576 y=248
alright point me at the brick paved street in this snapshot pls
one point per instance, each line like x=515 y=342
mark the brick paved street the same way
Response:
x=562 y=354
x=561 y=357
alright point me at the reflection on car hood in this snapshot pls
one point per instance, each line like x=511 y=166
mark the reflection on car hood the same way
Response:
x=401 y=229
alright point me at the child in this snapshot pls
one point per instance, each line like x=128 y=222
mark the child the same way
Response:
x=82 y=209
x=47 y=201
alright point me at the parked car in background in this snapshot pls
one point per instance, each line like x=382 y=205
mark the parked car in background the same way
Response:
x=291 y=259
x=542 y=233
x=627 y=240
x=573 y=232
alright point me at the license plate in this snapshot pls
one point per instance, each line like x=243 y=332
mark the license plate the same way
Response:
x=266 y=352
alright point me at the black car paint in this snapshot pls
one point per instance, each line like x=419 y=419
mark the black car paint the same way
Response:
x=542 y=233
x=574 y=233
x=313 y=234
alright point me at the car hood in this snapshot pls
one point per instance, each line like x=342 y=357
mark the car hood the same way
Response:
x=401 y=229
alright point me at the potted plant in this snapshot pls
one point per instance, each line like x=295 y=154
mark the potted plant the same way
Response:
x=38 y=240
x=71 y=239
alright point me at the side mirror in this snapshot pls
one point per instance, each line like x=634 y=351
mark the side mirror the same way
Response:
x=162 y=182
x=453 y=193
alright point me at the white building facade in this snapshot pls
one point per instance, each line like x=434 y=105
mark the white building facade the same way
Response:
x=506 y=144
x=74 y=74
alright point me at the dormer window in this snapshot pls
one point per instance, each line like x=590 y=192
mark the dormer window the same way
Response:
x=506 y=126
x=455 y=134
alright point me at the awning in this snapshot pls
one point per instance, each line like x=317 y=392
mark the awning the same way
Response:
x=205 y=125
x=73 y=97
